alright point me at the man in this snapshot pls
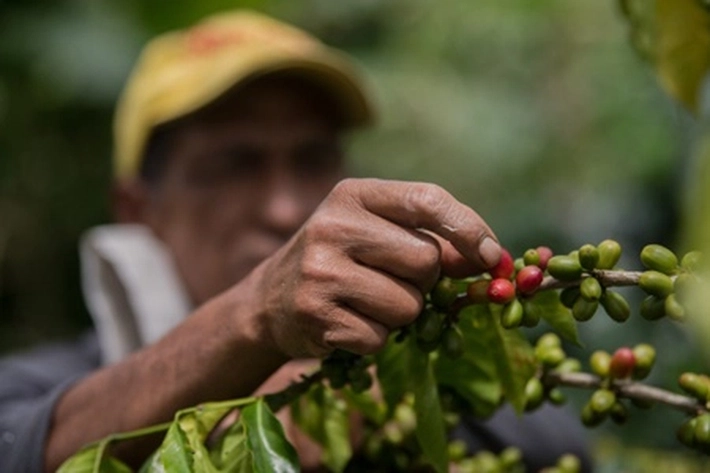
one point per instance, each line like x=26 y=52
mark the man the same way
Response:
x=241 y=246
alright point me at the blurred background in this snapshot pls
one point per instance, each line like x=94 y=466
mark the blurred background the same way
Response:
x=539 y=114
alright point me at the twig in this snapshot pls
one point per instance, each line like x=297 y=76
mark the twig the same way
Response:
x=629 y=389
x=607 y=278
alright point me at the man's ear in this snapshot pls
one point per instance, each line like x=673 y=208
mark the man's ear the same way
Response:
x=129 y=201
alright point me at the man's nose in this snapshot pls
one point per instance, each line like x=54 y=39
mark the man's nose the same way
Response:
x=284 y=208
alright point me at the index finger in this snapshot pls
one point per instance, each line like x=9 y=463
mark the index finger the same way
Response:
x=422 y=205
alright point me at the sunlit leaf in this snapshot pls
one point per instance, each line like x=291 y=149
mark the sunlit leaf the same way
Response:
x=272 y=452
x=675 y=36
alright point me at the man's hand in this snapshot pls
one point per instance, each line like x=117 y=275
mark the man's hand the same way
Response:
x=360 y=266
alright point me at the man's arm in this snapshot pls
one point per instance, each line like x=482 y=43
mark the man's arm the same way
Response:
x=356 y=270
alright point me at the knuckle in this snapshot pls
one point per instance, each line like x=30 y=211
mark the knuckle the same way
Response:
x=427 y=254
x=433 y=196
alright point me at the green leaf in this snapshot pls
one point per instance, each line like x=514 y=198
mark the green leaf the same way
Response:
x=231 y=454
x=675 y=36
x=366 y=404
x=271 y=451
x=183 y=448
x=401 y=368
x=510 y=351
x=430 y=430
x=93 y=460
x=557 y=315
x=392 y=373
x=324 y=417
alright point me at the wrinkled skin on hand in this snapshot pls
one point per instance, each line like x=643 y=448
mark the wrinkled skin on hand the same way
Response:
x=361 y=264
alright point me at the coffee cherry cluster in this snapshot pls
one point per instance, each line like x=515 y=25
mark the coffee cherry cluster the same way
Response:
x=667 y=282
x=551 y=356
x=343 y=368
x=695 y=433
x=509 y=283
x=434 y=329
x=624 y=364
x=509 y=460
x=582 y=265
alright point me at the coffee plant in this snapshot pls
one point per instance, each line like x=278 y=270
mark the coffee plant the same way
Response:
x=465 y=353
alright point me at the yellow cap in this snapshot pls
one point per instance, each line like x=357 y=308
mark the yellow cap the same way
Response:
x=179 y=72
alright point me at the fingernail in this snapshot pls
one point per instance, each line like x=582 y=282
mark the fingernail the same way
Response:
x=489 y=250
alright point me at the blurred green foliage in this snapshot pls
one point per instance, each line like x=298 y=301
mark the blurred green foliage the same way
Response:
x=538 y=114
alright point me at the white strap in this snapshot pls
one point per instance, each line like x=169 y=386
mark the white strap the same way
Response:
x=131 y=288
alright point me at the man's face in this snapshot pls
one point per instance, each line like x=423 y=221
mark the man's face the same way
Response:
x=240 y=180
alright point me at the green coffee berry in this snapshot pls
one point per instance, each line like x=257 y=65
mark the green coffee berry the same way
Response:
x=534 y=394
x=653 y=308
x=619 y=413
x=512 y=315
x=362 y=382
x=510 y=458
x=659 y=258
x=609 y=254
x=549 y=340
x=694 y=385
x=568 y=296
x=691 y=261
x=686 y=433
x=588 y=257
x=569 y=463
x=656 y=283
x=615 y=306
x=583 y=310
x=550 y=356
x=602 y=400
x=531 y=313
x=556 y=396
x=444 y=293
x=590 y=417
x=428 y=326
x=564 y=268
x=645 y=357
x=702 y=429
x=457 y=450
x=531 y=257
x=590 y=289
x=599 y=363
x=674 y=309
x=338 y=380
x=452 y=342
x=569 y=365
x=518 y=264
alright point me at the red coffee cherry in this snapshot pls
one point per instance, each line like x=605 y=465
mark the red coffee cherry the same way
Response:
x=501 y=291
x=505 y=267
x=545 y=254
x=528 y=279
x=622 y=363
